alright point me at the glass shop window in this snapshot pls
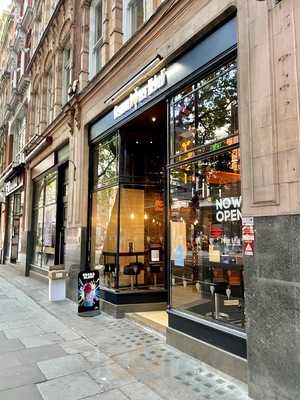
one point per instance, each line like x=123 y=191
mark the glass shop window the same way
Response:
x=142 y=226
x=105 y=206
x=106 y=162
x=44 y=221
x=205 y=114
x=206 y=238
x=104 y=233
x=128 y=227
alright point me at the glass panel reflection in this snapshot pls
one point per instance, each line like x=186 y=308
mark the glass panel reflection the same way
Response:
x=204 y=113
x=206 y=241
x=38 y=236
x=49 y=235
x=104 y=233
x=185 y=128
x=141 y=254
x=51 y=188
x=217 y=106
x=106 y=162
x=44 y=221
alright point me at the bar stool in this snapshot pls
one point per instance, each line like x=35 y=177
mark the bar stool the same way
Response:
x=154 y=269
x=133 y=269
x=218 y=288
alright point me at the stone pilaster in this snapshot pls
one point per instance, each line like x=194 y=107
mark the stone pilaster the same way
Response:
x=84 y=48
x=43 y=100
x=76 y=233
x=116 y=33
x=270 y=152
x=105 y=35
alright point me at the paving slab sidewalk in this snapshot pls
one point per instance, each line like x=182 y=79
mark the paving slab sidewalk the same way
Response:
x=48 y=352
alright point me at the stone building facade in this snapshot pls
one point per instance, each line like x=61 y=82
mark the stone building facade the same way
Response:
x=66 y=65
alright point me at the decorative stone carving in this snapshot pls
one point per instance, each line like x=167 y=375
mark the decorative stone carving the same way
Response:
x=77 y=115
x=64 y=33
x=70 y=120
x=48 y=60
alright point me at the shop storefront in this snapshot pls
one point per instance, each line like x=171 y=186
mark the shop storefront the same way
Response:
x=49 y=212
x=165 y=210
x=205 y=231
x=128 y=213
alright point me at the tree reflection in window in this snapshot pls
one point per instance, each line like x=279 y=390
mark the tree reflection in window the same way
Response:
x=205 y=112
x=217 y=105
x=107 y=162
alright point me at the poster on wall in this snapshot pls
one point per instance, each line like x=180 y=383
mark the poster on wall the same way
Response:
x=248 y=235
x=88 y=293
x=178 y=243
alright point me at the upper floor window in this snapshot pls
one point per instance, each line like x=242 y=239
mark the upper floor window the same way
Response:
x=27 y=49
x=19 y=130
x=36 y=108
x=96 y=21
x=50 y=97
x=66 y=74
x=2 y=151
x=134 y=15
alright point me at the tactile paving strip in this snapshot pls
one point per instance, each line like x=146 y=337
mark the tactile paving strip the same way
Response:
x=133 y=339
x=206 y=384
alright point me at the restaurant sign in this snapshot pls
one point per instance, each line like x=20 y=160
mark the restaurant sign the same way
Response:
x=140 y=94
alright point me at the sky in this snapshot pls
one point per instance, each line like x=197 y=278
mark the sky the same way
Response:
x=4 y=4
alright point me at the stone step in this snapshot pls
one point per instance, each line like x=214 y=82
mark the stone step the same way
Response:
x=156 y=320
